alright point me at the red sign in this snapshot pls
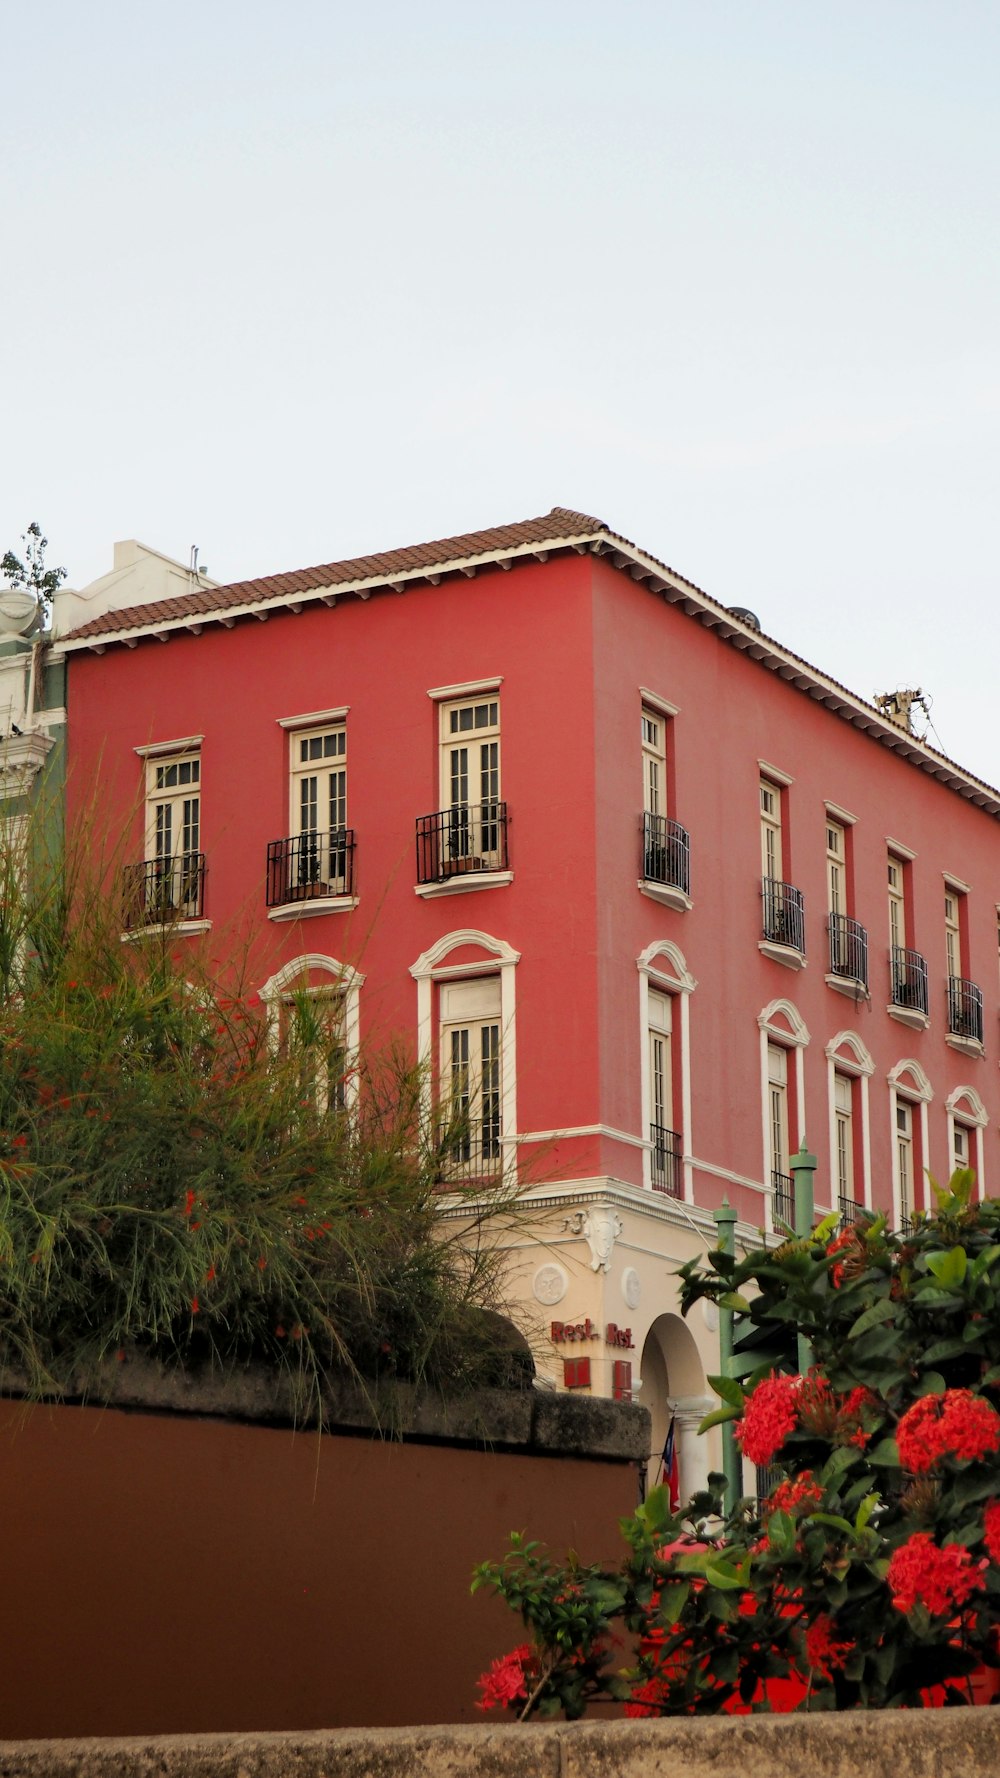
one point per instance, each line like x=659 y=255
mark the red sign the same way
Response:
x=562 y=1331
x=618 y=1336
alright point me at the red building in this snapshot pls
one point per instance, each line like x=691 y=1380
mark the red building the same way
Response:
x=655 y=898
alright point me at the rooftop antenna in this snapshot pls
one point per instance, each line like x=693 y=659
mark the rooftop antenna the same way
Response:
x=900 y=704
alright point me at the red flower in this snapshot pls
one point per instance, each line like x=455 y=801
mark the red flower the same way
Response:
x=210 y=1274
x=991 y=1533
x=19 y=1142
x=922 y=1574
x=822 y=1652
x=261 y=1263
x=795 y=1494
x=506 y=1680
x=956 y=1424
x=771 y=1413
x=189 y=1202
x=195 y=1305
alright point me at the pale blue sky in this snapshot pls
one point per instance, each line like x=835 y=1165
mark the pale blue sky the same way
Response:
x=294 y=282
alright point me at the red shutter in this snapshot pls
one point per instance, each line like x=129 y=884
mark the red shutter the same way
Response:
x=622 y=1376
x=576 y=1373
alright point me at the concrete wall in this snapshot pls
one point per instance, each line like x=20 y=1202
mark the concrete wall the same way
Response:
x=165 y=1572
x=886 y=1744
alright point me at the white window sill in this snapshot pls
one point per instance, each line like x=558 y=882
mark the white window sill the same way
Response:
x=666 y=894
x=786 y=955
x=306 y=910
x=908 y=1015
x=461 y=884
x=969 y=1046
x=182 y=928
x=849 y=986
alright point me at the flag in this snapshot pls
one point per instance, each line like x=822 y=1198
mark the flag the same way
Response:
x=669 y=1470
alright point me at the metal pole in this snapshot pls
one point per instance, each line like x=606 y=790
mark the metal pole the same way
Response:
x=803 y=1166
x=732 y=1463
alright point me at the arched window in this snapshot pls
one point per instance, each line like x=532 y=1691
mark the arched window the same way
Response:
x=910 y=1093
x=783 y=1039
x=665 y=988
x=321 y=997
x=466 y=1042
x=849 y=1069
x=967 y=1120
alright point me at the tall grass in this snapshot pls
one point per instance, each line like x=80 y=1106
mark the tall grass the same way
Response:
x=171 y=1180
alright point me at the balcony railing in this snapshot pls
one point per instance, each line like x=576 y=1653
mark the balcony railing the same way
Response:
x=851 y=1211
x=848 y=949
x=162 y=890
x=908 y=971
x=455 y=842
x=784 y=914
x=310 y=866
x=965 y=1009
x=665 y=1161
x=783 y=1198
x=666 y=853
x=470 y=1150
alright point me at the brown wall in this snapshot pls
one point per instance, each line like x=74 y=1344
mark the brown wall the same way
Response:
x=164 y=1573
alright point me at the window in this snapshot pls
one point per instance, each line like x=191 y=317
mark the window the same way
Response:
x=470 y=1099
x=666 y=1144
x=909 y=992
x=953 y=931
x=770 y=831
x=469 y=832
x=897 y=903
x=961 y=1147
x=836 y=868
x=967 y=1121
x=654 y=763
x=666 y=846
x=172 y=877
x=844 y=1136
x=314 y=1028
x=777 y=1104
x=319 y=854
x=965 y=998
x=904 y=1161
x=849 y=1070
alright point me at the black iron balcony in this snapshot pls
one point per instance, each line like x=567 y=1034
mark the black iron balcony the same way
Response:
x=784 y=914
x=851 y=1211
x=665 y=1161
x=783 y=1198
x=666 y=853
x=162 y=890
x=848 y=949
x=310 y=867
x=460 y=841
x=965 y=1009
x=909 y=979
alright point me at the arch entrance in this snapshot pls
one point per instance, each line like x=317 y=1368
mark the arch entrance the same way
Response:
x=674 y=1386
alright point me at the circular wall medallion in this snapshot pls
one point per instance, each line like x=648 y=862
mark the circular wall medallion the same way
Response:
x=550 y=1284
x=711 y=1314
x=631 y=1287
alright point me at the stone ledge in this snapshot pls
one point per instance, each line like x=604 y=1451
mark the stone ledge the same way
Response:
x=875 y=1744
x=528 y=1420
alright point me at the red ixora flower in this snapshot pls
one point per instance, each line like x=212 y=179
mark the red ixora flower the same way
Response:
x=195 y=1305
x=822 y=1652
x=506 y=1680
x=795 y=1494
x=922 y=1574
x=955 y=1424
x=770 y=1414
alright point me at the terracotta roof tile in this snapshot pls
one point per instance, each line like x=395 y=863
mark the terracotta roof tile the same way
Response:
x=551 y=527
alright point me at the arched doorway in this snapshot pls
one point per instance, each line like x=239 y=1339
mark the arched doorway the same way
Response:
x=674 y=1387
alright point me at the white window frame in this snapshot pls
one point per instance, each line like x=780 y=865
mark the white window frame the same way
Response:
x=782 y=1024
x=663 y=969
x=965 y=1107
x=654 y=762
x=433 y=967
x=772 y=851
x=836 y=866
x=847 y=1055
x=478 y=1023
x=343 y=982
x=909 y=1084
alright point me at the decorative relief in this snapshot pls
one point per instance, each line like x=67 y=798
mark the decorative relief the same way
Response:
x=600 y=1228
x=631 y=1287
x=550 y=1284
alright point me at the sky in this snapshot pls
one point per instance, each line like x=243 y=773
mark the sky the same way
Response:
x=297 y=282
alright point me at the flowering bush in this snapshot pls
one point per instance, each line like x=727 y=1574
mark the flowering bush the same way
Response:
x=869 y=1574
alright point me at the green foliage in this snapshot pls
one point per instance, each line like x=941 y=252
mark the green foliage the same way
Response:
x=28 y=571
x=172 y=1181
x=870 y=1576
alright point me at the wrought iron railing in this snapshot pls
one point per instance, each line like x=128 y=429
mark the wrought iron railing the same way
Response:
x=908 y=971
x=666 y=852
x=851 y=1211
x=470 y=1149
x=784 y=914
x=848 y=949
x=665 y=1161
x=783 y=1198
x=965 y=1009
x=310 y=866
x=161 y=890
x=453 y=842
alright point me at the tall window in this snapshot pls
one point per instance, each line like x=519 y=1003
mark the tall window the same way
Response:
x=777 y=1076
x=897 y=902
x=961 y=1147
x=770 y=830
x=318 y=812
x=836 y=867
x=173 y=835
x=953 y=931
x=843 y=1113
x=470 y=779
x=666 y=1147
x=654 y=763
x=314 y=1029
x=470 y=1094
x=904 y=1159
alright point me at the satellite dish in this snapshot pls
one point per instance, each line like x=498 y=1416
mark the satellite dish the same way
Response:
x=19 y=611
x=747 y=616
